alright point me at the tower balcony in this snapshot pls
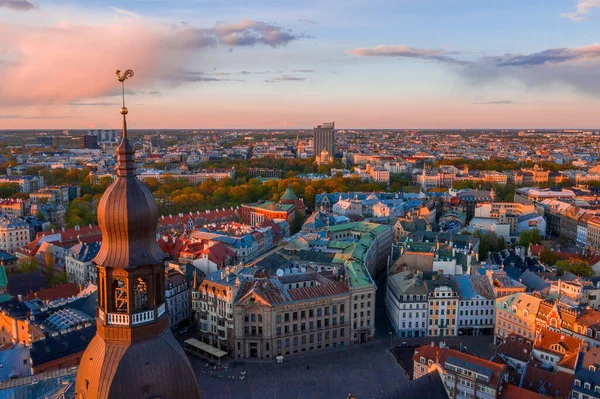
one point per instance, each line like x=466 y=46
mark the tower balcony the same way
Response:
x=134 y=319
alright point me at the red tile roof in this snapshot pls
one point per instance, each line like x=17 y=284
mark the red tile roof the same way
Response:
x=557 y=384
x=439 y=355
x=516 y=347
x=66 y=290
x=172 y=245
x=536 y=250
x=510 y=391
x=589 y=318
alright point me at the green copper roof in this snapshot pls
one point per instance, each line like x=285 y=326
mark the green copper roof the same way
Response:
x=289 y=195
x=3 y=285
x=271 y=206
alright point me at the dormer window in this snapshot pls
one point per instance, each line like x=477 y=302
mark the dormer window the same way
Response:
x=577 y=383
x=557 y=348
x=592 y=367
x=422 y=360
x=589 y=332
x=430 y=362
x=586 y=385
x=525 y=313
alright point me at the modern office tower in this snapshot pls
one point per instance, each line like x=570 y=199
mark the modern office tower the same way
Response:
x=324 y=140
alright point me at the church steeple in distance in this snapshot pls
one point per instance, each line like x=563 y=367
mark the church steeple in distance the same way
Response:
x=134 y=353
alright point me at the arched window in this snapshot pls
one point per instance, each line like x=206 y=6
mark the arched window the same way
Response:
x=140 y=293
x=120 y=295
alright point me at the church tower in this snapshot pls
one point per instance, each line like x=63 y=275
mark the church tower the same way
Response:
x=134 y=353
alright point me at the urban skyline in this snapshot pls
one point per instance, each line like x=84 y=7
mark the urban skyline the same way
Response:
x=383 y=64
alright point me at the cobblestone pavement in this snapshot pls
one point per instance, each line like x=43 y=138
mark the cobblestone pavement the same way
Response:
x=363 y=370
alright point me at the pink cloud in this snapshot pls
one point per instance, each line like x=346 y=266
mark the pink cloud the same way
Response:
x=70 y=62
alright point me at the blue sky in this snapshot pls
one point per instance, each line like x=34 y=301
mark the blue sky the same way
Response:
x=401 y=64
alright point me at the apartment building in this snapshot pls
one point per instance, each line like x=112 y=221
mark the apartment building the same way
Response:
x=212 y=304
x=78 y=263
x=516 y=314
x=464 y=376
x=178 y=298
x=476 y=308
x=14 y=233
x=407 y=304
x=443 y=296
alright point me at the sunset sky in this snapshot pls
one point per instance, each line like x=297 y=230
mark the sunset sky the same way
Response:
x=294 y=64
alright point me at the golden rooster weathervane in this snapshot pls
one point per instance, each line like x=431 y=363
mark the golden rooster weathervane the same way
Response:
x=122 y=78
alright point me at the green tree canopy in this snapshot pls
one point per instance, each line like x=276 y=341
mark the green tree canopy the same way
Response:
x=578 y=267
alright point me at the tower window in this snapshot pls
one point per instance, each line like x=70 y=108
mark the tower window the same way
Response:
x=141 y=294
x=120 y=292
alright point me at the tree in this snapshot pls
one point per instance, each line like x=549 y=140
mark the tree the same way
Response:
x=528 y=237
x=60 y=278
x=49 y=266
x=297 y=223
x=9 y=189
x=548 y=257
x=578 y=267
x=39 y=215
x=28 y=264
x=489 y=242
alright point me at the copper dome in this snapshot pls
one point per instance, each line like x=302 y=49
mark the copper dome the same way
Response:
x=153 y=368
x=127 y=215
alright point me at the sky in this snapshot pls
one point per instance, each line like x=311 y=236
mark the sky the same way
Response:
x=295 y=64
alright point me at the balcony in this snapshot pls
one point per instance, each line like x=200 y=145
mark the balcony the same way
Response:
x=118 y=319
x=123 y=319
x=142 y=317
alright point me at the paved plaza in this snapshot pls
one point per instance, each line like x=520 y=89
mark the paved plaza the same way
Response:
x=363 y=370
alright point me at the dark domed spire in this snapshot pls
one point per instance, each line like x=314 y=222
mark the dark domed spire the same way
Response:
x=134 y=354
x=127 y=215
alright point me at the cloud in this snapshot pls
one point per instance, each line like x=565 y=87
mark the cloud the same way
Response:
x=67 y=62
x=550 y=56
x=34 y=117
x=403 y=51
x=303 y=70
x=255 y=72
x=495 y=102
x=582 y=9
x=307 y=21
x=285 y=78
x=18 y=5
x=194 y=76
x=94 y=104
x=243 y=34
x=127 y=13
x=577 y=67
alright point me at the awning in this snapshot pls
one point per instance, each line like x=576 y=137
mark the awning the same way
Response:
x=211 y=350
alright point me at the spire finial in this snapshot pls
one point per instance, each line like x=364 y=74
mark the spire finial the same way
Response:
x=125 y=152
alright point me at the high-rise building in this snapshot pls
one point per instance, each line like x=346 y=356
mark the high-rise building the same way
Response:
x=134 y=354
x=324 y=140
x=89 y=142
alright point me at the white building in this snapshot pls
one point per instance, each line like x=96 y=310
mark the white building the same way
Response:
x=395 y=168
x=347 y=208
x=78 y=263
x=476 y=308
x=406 y=304
x=14 y=233
x=178 y=298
